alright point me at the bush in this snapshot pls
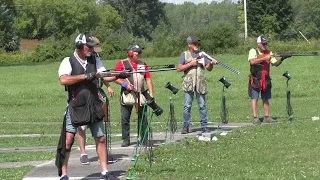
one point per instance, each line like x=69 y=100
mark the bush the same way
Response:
x=115 y=44
x=167 y=43
x=164 y=44
x=12 y=58
x=218 y=38
x=52 y=50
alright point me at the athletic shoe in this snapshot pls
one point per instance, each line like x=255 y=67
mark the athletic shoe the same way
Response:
x=185 y=130
x=268 y=120
x=256 y=120
x=65 y=177
x=125 y=143
x=84 y=159
x=205 y=130
x=108 y=176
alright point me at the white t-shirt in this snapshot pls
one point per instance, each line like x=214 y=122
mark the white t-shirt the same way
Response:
x=65 y=66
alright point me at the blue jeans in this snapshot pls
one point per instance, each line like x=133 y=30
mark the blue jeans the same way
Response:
x=188 y=98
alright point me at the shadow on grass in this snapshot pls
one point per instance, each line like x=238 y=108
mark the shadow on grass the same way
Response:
x=212 y=129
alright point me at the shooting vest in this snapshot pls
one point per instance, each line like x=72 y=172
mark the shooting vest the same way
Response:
x=137 y=79
x=77 y=69
x=194 y=78
x=259 y=77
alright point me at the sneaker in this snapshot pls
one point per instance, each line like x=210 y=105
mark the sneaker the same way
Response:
x=256 y=120
x=65 y=177
x=108 y=176
x=205 y=130
x=84 y=159
x=185 y=130
x=268 y=120
x=125 y=143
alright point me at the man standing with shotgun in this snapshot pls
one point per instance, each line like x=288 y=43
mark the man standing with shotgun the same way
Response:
x=81 y=136
x=194 y=82
x=78 y=73
x=131 y=91
x=259 y=78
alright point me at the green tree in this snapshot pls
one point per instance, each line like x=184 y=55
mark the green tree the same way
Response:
x=39 y=19
x=8 y=38
x=190 y=17
x=140 y=17
x=307 y=19
x=268 y=17
x=215 y=24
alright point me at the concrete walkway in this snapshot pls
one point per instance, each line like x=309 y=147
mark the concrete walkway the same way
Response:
x=122 y=157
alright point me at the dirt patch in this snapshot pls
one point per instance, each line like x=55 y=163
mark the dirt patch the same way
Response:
x=29 y=44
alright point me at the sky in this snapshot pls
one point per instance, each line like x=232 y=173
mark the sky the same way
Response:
x=194 y=1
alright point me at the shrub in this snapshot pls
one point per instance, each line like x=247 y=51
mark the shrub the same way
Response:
x=52 y=50
x=218 y=38
x=13 y=58
x=115 y=44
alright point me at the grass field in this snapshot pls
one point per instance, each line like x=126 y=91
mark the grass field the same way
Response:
x=32 y=93
x=266 y=152
x=14 y=173
x=33 y=102
x=22 y=156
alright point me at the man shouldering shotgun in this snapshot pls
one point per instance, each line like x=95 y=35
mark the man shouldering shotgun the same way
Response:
x=260 y=59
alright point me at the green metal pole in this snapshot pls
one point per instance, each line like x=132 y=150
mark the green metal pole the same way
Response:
x=137 y=157
x=168 y=123
x=139 y=131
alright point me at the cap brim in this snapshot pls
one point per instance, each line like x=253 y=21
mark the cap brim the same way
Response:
x=193 y=42
x=262 y=42
x=138 y=50
x=97 y=49
x=92 y=44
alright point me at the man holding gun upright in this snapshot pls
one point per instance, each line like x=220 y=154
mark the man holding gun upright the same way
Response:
x=259 y=78
x=194 y=82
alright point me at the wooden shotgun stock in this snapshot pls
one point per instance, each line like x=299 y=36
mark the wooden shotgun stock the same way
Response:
x=105 y=112
x=105 y=102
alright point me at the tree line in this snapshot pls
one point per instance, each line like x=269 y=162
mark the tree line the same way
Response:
x=160 y=27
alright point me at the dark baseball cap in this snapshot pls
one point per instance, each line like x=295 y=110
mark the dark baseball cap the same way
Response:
x=136 y=48
x=86 y=38
x=192 y=39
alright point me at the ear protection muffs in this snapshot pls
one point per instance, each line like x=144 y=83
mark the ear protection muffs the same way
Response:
x=130 y=52
x=79 y=44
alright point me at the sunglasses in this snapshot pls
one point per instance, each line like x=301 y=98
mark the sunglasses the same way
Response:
x=90 y=47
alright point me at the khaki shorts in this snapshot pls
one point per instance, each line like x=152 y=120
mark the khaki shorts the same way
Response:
x=97 y=129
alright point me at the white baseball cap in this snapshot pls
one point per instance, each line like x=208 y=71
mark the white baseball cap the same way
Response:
x=261 y=40
x=85 y=38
